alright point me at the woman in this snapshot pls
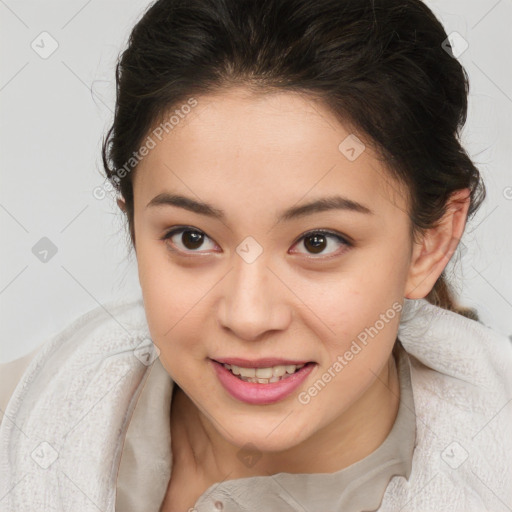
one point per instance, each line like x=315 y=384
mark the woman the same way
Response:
x=294 y=187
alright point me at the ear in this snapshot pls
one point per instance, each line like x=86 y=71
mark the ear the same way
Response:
x=433 y=252
x=121 y=203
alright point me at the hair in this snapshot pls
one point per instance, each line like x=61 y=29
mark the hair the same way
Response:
x=384 y=67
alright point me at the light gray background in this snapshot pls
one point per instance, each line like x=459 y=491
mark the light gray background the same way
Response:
x=55 y=111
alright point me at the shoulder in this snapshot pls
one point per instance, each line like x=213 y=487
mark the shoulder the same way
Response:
x=456 y=346
x=74 y=402
x=461 y=374
x=117 y=320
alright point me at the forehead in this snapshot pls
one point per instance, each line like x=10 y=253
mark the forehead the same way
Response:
x=276 y=147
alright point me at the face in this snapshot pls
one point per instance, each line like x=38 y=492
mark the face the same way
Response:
x=236 y=268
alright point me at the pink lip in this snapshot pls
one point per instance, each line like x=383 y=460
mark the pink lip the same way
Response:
x=260 y=394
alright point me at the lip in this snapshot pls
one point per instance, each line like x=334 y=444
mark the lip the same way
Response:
x=258 y=363
x=260 y=394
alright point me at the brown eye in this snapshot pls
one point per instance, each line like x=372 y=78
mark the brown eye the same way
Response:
x=187 y=240
x=192 y=239
x=316 y=242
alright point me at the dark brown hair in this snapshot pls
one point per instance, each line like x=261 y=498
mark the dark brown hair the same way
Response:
x=382 y=66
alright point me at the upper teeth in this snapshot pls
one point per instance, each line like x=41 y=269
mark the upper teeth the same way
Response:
x=264 y=373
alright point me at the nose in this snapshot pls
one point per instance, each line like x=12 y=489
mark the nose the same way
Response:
x=253 y=302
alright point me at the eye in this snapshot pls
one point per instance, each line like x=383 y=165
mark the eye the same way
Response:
x=317 y=241
x=186 y=239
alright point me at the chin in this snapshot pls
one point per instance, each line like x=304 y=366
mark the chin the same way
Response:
x=265 y=436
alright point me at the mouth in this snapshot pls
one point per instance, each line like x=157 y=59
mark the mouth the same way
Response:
x=264 y=374
x=259 y=382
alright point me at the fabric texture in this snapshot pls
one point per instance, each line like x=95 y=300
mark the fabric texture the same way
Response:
x=10 y=375
x=66 y=424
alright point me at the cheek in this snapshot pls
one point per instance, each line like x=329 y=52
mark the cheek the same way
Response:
x=353 y=357
x=354 y=297
x=172 y=305
x=358 y=308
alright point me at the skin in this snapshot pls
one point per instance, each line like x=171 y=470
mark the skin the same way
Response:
x=253 y=156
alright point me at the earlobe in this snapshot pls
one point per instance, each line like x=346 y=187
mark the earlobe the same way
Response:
x=433 y=252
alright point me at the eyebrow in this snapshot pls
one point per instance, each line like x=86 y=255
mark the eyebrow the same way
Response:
x=294 y=212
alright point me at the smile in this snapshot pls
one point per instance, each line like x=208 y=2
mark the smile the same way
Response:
x=262 y=384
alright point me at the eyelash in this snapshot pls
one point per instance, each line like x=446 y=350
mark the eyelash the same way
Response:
x=327 y=233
